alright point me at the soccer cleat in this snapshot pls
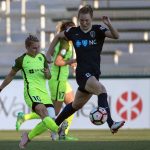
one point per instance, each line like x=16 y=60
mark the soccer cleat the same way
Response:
x=116 y=125
x=24 y=140
x=62 y=129
x=54 y=136
x=20 y=120
x=70 y=138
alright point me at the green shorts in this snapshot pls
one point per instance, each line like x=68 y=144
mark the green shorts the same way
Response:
x=58 y=89
x=36 y=96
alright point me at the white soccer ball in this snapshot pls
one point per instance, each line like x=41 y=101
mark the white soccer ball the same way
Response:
x=98 y=116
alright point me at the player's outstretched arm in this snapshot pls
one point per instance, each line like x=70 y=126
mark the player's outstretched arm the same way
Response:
x=112 y=32
x=8 y=79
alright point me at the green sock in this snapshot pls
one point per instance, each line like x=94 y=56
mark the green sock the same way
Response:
x=50 y=124
x=30 y=116
x=38 y=129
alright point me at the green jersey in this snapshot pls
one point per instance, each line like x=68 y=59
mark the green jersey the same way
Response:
x=65 y=49
x=34 y=78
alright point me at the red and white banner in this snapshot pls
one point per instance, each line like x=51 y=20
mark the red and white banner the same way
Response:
x=129 y=100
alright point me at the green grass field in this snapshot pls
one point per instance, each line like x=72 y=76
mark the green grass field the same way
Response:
x=88 y=140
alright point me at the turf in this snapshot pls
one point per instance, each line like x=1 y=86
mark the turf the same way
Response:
x=88 y=140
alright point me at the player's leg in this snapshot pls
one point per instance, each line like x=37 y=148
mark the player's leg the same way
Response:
x=37 y=130
x=46 y=123
x=36 y=101
x=21 y=117
x=80 y=99
x=51 y=113
x=95 y=87
x=27 y=137
x=57 y=89
x=69 y=97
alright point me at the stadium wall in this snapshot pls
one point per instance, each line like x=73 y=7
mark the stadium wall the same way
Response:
x=129 y=100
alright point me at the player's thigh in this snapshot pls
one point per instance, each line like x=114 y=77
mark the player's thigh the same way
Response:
x=57 y=89
x=94 y=86
x=69 y=95
x=81 y=98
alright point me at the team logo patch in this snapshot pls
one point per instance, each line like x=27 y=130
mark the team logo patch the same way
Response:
x=92 y=33
x=40 y=58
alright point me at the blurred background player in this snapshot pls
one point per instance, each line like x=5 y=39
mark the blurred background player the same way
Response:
x=35 y=71
x=61 y=91
x=59 y=86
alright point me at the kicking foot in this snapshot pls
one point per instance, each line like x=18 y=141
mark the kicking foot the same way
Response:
x=24 y=140
x=116 y=125
x=20 y=120
x=62 y=129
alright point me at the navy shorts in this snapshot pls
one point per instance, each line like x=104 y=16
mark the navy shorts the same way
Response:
x=82 y=78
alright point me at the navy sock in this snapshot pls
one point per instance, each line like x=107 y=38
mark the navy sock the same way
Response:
x=102 y=102
x=66 y=112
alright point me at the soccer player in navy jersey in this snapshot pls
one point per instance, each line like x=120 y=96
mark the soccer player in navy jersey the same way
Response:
x=88 y=40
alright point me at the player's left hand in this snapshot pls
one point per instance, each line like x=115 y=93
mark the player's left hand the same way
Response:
x=106 y=20
x=46 y=72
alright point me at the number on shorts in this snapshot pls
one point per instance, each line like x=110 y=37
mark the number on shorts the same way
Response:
x=61 y=95
x=36 y=98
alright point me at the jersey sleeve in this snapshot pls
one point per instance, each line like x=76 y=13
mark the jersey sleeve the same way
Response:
x=101 y=31
x=69 y=33
x=18 y=64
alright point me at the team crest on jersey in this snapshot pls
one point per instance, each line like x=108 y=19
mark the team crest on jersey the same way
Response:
x=40 y=58
x=92 y=33
x=102 y=28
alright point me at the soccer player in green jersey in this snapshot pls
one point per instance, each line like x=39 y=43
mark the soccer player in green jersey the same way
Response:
x=35 y=71
x=59 y=86
x=61 y=91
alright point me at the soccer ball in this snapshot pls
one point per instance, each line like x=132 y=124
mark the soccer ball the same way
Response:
x=98 y=116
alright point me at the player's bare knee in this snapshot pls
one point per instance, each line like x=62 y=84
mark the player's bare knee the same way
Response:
x=99 y=90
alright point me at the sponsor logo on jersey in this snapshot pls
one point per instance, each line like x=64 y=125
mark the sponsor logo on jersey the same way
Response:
x=85 y=43
x=35 y=70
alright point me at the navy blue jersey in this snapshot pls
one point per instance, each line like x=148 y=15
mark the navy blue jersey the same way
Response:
x=88 y=47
